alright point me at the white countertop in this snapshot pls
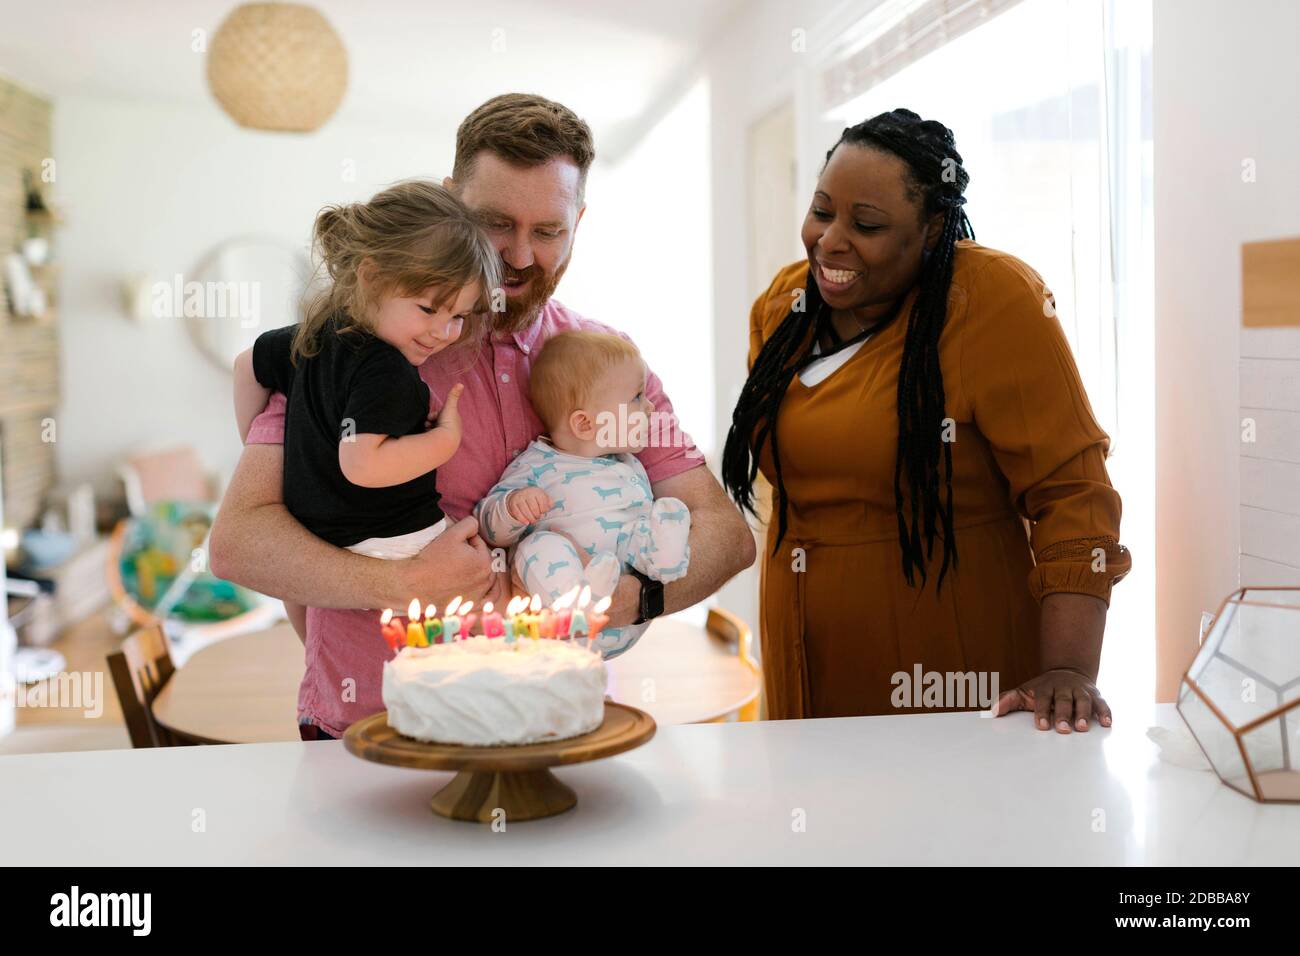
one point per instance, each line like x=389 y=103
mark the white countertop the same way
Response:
x=934 y=789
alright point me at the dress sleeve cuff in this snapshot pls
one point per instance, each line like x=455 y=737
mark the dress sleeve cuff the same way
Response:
x=1080 y=566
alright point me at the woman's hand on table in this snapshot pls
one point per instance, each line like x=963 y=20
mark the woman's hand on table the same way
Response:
x=1062 y=698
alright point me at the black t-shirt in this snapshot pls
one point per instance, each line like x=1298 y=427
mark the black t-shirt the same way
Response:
x=358 y=378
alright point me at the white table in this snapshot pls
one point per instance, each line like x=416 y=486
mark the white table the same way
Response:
x=942 y=788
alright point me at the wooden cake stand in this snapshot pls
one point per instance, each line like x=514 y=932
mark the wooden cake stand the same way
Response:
x=516 y=780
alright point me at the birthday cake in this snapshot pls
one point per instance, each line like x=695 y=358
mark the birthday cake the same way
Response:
x=485 y=691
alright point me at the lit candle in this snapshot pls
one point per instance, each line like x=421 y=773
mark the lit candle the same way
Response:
x=531 y=617
x=432 y=626
x=515 y=622
x=466 y=619
x=492 y=624
x=578 y=623
x=598 y=616
x=394 y=637
x=564 y=612
x=507 y=622
x=450 y=622
x=546 y=622
x=414 y=632
x=534 y=624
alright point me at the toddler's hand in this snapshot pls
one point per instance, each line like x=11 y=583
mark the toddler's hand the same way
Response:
x=449 y=416
x=528 y=504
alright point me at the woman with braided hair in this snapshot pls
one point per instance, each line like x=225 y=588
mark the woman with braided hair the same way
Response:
x=914 y=403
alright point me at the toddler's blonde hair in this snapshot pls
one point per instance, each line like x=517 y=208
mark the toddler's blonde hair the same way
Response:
x=413 y=236
x=567 y=368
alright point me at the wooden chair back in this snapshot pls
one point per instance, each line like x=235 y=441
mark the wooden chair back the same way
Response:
x=140 y=670
x=731 y=630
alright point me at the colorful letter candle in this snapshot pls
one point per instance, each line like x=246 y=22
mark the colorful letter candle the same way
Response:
x=466 y=619
x=393 y=634
x=492 y=624
x=450 y=622
x=546 y=622
x=432 y=626
x=414 y=632
x=564 y=612
x=531 y=619
x=515 y=627
x=578 y=623
x=598 y=617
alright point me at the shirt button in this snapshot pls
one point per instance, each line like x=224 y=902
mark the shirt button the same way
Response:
x=505 y=377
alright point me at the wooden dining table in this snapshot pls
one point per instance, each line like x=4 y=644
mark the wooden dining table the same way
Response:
x=244 y=689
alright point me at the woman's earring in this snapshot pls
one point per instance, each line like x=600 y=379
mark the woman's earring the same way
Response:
x=925 y=255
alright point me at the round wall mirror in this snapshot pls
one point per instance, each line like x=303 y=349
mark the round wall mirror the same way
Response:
x=250 y=284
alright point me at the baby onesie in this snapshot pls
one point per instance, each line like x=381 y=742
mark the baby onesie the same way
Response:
x=603 y=506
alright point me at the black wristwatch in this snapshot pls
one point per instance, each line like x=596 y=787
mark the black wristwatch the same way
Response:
x=652 y=597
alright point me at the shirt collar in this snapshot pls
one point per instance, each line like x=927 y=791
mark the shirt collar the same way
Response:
x=527 y=340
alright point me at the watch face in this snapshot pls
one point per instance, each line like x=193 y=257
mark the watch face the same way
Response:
x=651 y=604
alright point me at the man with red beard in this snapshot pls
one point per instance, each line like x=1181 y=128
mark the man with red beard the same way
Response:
x=521 y=163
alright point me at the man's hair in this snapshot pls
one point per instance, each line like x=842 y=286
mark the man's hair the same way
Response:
x=525 y=130
x=568 y=367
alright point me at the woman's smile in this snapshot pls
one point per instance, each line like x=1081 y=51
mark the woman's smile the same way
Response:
x=836 y=281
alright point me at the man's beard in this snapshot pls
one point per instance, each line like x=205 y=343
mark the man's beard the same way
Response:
x=522 y=310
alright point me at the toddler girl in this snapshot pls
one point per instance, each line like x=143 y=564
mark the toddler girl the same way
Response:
x=410 y=275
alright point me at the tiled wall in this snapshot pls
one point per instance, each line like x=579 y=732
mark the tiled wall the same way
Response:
x=29 y=381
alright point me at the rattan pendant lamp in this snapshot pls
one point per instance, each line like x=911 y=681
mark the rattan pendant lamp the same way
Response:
x=277 y=66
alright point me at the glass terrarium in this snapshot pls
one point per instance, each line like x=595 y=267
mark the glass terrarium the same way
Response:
x=1241 y=696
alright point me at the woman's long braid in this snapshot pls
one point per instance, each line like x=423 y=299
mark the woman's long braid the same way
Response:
x=937 y=180
x=921 y=415
x=774 y=369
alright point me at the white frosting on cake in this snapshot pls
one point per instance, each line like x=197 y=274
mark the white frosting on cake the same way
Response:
x=484 y=692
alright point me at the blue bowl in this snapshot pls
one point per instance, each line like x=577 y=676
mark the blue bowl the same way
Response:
x=45 y=549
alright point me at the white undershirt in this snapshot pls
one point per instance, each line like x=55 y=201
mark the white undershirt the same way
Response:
x=822 y=369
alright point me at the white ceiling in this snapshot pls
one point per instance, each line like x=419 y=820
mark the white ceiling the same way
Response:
x=409 y=61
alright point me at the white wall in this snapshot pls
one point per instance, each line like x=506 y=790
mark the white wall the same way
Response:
x=1226 y=89
x=752 y=69
x=643 y=257
x=152 y=188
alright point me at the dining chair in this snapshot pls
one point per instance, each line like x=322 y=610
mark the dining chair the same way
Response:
x=140 y=670
x=727 y=628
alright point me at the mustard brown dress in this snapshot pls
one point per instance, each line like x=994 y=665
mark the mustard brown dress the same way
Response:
x=838 y=618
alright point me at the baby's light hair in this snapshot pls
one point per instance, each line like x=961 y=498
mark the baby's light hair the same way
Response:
x=568 y=367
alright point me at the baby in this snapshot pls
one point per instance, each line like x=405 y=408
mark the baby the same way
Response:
x=580 y=485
